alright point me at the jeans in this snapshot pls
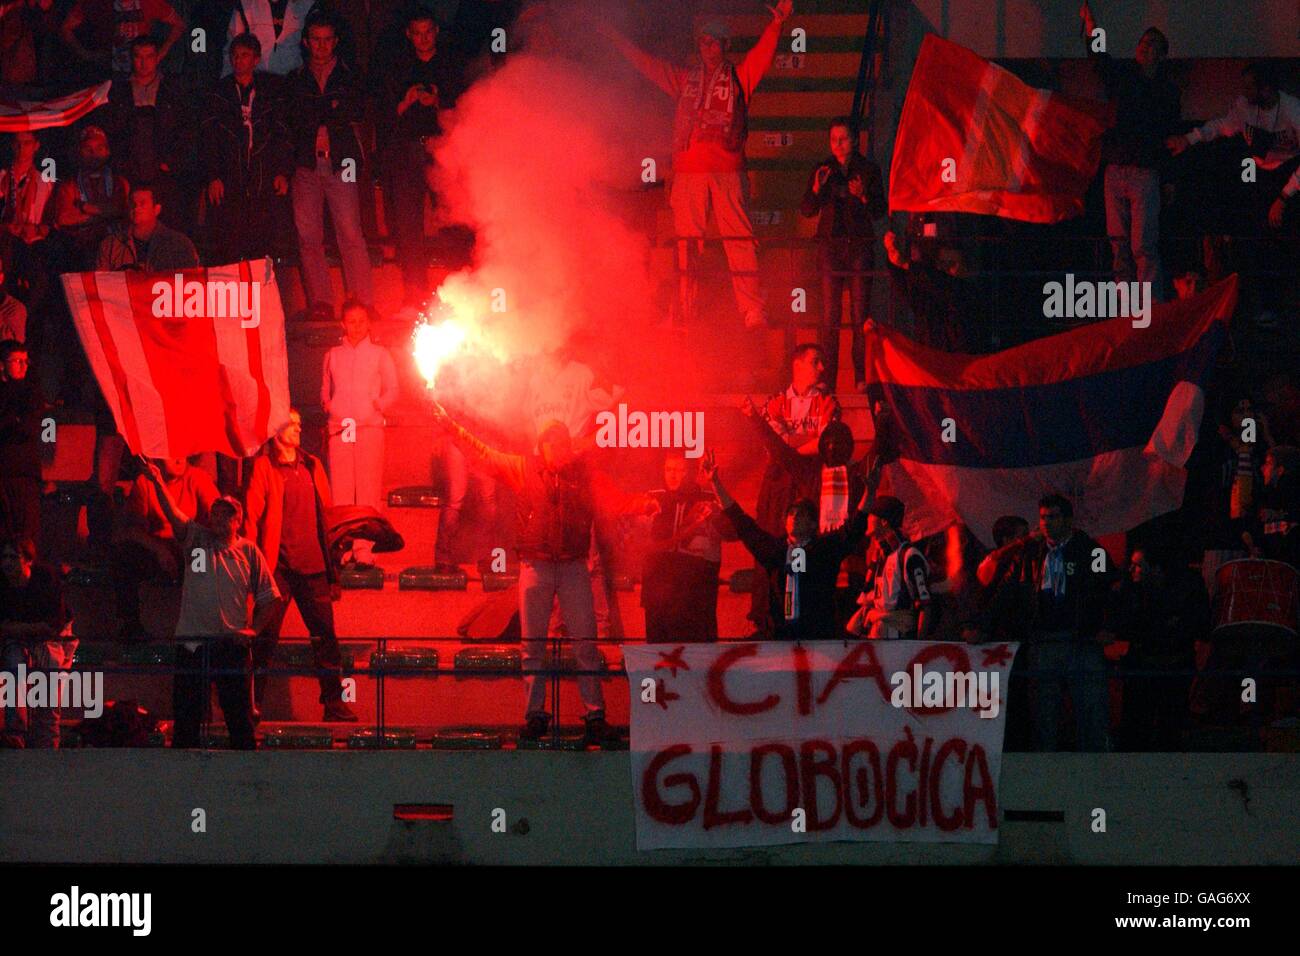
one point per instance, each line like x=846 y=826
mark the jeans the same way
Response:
x=406 y=187
x=313 y=189
x=1133 y=225
x=39 y=725
x=835 y=258
x=540 y=583
x=1079 y=666
x=229 y=666
x=449 y=548
x=693 y=194
x=311 y=592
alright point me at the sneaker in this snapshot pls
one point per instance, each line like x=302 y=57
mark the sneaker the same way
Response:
x=535 y=727
x=337 y=712
x=598 y=732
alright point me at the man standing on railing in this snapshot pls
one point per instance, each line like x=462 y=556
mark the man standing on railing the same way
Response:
x=1148 y=108
x=223 y=572
x=709 y=133
x=556 y=507
x=845 y=192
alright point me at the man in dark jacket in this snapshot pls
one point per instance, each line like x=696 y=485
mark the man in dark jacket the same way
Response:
x=1147 y=110
x=1071 y=579
x=20 y=447
x=147 y=121
x=144 y=242
x=325 y=105
x=247 y=160
x=679 y=585
x=845 y=193
x=1162 y=610
x=556 y=507
x=411 y=92
x=802 y=566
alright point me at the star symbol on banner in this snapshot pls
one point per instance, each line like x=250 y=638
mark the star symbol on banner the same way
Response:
x=665 y=695
x=996 y=656
x=673 y=661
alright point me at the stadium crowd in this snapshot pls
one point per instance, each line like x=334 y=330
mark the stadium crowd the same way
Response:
x=238 y=156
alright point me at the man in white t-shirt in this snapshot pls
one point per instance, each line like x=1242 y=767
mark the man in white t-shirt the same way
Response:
x=1269 y=121
x=214 y=634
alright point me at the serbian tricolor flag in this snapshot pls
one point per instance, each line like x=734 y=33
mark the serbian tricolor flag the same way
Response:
x=1105 y=414
x=190 y=361
x=975 y=139
x=18 y=115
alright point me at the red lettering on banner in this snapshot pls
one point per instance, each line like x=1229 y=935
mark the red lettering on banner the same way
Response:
x=656 y=807
x=922 y=790
x=851 y=667
x=712 y=818
x=718 y=688
x=905 y=749
x=791 y=772
x=942 y=820
x=984 y=791
x=864 y=787
x=803 y=680
x=909 y=792
x=810 y=768
x=957 y=657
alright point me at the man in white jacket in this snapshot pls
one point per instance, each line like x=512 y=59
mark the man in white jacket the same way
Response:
x=1269 y=121
x=358 y=386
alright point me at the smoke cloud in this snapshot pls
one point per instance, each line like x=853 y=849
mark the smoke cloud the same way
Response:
x=543 y=158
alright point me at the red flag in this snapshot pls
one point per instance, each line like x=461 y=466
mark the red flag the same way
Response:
x=189 y=361
x=18 y=115
x=973 y=138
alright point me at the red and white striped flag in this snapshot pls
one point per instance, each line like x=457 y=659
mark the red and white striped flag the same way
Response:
x=973 y=138
x=18 y=115
x=188 y=362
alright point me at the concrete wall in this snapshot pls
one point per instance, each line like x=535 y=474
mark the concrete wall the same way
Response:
x=88 y=806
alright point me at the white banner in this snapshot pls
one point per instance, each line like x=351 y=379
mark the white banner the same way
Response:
x=763 y=743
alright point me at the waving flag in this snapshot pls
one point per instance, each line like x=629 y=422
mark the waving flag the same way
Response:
x=18 y=115
x=1105 y=414
x=973 y=138
x=188 y=362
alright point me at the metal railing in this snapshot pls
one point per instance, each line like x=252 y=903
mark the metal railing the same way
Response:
x=1206 y=688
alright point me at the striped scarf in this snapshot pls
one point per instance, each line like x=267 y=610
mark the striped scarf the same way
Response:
x=834 y=498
